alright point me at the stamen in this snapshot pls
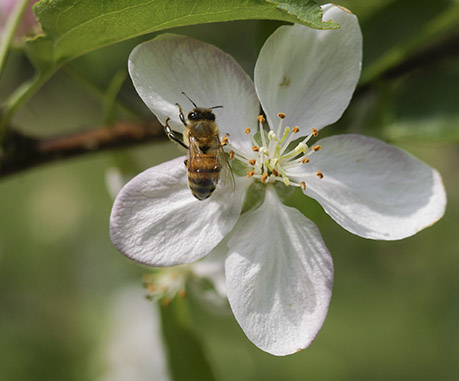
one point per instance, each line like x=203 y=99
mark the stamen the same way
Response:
x=231 y=154
x=320 y=175
x=252 y=161
x=264 y=177
x=295 y=130
x=224 y=141
x=262 y=132
x=303 y=185
x=261 y=118
x=279 y=127
x=250 y=173
x=238 y=154
x=255 y=148
x=305 y=160
x=275 y=173
x=315 y=132
x=316 y=148
x=247 y=131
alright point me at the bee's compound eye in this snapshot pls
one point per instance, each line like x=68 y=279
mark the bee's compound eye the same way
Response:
x=192 y=115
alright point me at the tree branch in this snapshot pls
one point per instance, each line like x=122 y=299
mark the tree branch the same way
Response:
x=22 y=152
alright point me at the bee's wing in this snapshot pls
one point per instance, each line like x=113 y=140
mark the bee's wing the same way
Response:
x=227 y=176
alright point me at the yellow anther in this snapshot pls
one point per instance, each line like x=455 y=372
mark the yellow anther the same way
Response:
x=252 y=161
x=224 y=141
x=303 y=185
x=275 y=173
x=247 y=130
x=264 y=177
x=315 y=132
x=320 y=175
x=231 y=154
x=261 y=118
x=316 y=148
x=295 y=129
x=255 y=148
x=281 y=115
x=250 y=173
x=305 y=160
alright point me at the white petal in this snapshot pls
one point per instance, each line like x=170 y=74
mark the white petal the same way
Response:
x=164 y=67
x=156 y=220
x=308 y=74
x=279 y=277
x=373 y=189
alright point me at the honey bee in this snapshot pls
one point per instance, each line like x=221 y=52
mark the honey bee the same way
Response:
x=207 y=160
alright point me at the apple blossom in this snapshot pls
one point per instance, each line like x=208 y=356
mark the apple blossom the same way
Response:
x=279 y=273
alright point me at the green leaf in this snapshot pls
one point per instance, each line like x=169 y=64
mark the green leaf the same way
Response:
x=72 y=28
x=305 y=12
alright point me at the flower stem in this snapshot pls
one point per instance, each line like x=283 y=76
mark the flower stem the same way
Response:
x=11 y=27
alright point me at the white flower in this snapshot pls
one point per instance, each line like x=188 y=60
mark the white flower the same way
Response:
x=279 y=273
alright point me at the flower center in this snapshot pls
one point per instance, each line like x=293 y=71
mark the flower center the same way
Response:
x=273 y=153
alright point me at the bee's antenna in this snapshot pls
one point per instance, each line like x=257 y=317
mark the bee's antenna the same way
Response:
x=194 y=104
x=216 y=107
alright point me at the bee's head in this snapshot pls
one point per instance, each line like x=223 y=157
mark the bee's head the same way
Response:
x=201 y=114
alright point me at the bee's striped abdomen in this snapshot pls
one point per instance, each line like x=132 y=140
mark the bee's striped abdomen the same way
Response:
x=203 y=175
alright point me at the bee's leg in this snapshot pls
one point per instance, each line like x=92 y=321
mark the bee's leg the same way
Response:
x=170 y=134
x=181 y=116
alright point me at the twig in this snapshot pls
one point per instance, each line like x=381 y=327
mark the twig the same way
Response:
x=23 y=152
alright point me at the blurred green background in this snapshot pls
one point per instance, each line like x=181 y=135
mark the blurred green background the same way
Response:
x=394 y=314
